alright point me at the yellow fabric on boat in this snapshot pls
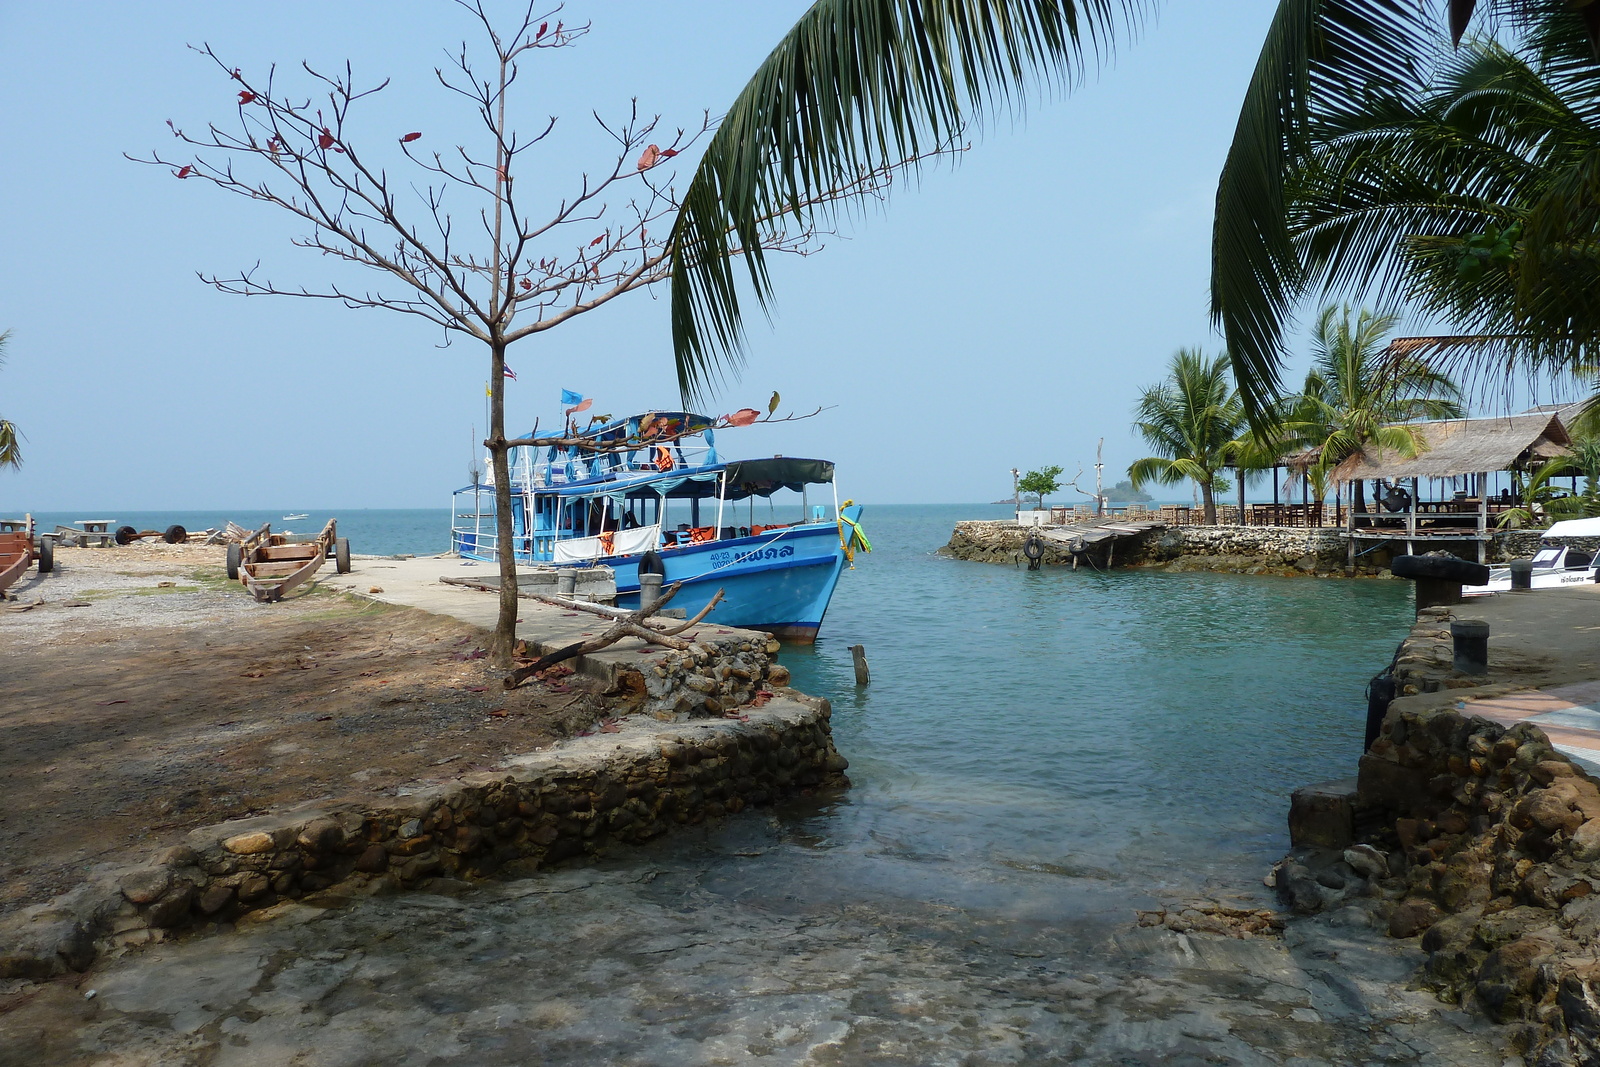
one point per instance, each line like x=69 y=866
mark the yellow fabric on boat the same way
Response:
x=855 y=539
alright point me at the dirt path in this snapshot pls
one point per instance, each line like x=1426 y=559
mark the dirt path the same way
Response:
x=147 y=695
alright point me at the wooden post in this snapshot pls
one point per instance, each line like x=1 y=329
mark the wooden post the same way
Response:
x=1239 y=473
x=1483 y=516
x=1350 y=535
x=1411 y=520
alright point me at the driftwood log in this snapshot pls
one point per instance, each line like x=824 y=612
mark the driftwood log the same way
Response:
x=624 y=624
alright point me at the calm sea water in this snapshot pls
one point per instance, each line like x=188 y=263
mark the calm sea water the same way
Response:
x=1132 y=732
x=1129 y=732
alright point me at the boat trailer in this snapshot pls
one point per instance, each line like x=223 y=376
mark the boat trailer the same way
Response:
x=17 y=553
x=270 y=564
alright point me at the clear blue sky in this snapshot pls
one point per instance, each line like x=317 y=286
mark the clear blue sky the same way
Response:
x=1003 y=314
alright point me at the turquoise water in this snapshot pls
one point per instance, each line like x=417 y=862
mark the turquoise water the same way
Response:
x=1133 y=733
x=1028 y=732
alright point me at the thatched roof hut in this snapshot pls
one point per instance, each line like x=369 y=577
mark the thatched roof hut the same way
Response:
x=1454 y=447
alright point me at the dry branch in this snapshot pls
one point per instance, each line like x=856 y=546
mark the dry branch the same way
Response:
x=629 y=625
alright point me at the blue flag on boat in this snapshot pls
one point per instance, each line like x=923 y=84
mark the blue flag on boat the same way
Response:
x=568 y=398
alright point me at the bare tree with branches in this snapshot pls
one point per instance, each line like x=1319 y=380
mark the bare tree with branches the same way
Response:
x=508 y=273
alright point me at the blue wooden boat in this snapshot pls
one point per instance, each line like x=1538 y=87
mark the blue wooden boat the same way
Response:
x=651 y=491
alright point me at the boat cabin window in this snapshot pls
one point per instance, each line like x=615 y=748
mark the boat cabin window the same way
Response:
x=1547 y=557
x=1577 y=557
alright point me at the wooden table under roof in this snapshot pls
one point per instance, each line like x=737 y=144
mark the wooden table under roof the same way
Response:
x=1453 y=448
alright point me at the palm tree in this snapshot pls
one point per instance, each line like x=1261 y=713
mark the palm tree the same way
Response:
x=1366 y=158
x=861 y=82
x=1193 y=421
x=1354 y=396
x=10 y=450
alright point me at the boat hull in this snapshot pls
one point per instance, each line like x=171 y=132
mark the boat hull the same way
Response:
x=1546 y=579
x=779 y=584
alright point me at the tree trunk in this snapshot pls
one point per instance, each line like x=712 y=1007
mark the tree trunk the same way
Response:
x=505 y=628
x=1207 y=495
x=1358 y=502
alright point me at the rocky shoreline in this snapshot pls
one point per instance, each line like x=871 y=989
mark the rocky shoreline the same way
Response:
x=663 y=738
x=1478 y=842
x=1278 y=550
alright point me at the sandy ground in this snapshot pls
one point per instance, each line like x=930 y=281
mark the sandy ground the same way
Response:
x=142 y=695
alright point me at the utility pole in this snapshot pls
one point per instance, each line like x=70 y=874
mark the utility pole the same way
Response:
x=1099 y=494
x=1016 y=495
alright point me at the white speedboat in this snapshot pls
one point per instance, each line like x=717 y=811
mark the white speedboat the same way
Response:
x=302 y=515
x=1553 y=565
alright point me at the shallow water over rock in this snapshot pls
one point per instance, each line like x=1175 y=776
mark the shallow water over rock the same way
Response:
x=1038 y=755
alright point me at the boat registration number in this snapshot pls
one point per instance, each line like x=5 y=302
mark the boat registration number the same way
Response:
x=724 y=559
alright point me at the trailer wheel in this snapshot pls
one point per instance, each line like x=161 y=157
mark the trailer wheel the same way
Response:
x=47 y=555
x=235 y=553
x=341 y=555
x=175 y=535
x=126 y=534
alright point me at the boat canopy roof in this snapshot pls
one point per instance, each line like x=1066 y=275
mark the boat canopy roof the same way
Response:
x=1574 y=528
x=745 y=478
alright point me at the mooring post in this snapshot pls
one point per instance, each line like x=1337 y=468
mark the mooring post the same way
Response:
x=649 y=589
x=567 y=582
x=1471 y=640
x=858 y=655
x=1522 y=574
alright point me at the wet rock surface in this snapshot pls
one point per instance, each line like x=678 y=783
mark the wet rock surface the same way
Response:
x=1482 y=842
x=736 y=947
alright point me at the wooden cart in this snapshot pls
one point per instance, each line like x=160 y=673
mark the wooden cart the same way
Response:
x=270 y=565
x=17 y=553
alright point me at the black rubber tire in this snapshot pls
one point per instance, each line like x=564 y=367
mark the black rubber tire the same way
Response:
x=235 y=557
x=341 y=555
x=651 y=563
x=126 y=534
x=175 y=535
x=1033 y=547
x=1444 y=568
x=47 y=555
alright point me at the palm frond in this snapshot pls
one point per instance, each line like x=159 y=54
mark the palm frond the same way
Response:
x=855 y=85
x=1316 y=50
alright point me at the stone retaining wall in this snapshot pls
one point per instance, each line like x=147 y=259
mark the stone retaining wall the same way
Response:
x=1235 y=549
x=572 y=801
x=1481 y=840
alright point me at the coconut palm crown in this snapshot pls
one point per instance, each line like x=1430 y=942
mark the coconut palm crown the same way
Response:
x=1362 y=146
x=1193 y=422
x=1354 y=395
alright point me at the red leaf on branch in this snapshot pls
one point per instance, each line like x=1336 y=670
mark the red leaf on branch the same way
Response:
x=597 y=240
x=743 y=417
x=526 y=284
x=408 y=138
x=542 y=27
x=325 y=141
x=185 y=172
x=651 y=156
x=237 y=76
x=246 y=96
x=668 y=153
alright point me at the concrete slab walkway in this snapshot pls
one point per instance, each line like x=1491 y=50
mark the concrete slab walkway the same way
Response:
x=416 y=583
x=1544 y=666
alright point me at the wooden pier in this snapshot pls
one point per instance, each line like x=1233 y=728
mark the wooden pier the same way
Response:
x=1080 y=537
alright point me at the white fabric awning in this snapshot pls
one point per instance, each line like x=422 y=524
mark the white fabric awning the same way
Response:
x=623 y=543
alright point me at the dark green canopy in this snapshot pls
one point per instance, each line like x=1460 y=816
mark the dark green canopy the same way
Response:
x=763 y=477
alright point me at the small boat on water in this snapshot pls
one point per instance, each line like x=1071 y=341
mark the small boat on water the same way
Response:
x=1554 y=565
x=292 y=518
x=650 y=492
